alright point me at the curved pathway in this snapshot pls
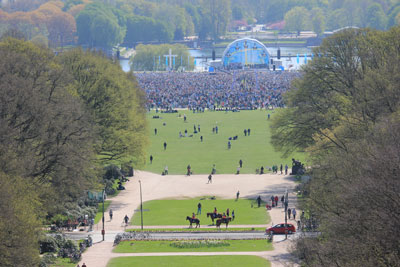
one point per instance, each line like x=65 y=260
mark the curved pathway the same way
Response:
x=179 y=186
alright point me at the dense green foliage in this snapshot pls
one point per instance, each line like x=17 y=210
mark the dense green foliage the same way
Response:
x=174 y=212
x=193 y=246
x=254 y=150
x=195 y=261
x=100 y=23
x=345 y=113
x=62 y=118
x=151 y=57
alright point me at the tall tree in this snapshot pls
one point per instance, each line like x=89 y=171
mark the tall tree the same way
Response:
x=297 y=19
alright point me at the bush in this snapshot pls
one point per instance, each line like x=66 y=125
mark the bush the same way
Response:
x=47 y=260
x=69 y=250
x=48 y=244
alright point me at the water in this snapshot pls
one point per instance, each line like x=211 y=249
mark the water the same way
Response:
x=289 y=57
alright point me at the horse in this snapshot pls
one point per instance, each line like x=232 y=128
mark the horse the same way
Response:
x=191 y=220
x=214 y=216
x=223 y=220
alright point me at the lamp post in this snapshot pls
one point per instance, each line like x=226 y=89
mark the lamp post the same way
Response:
x=103 y=231
x=141 y=204
x=286 y=208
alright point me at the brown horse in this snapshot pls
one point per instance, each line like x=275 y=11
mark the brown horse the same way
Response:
x=223 y=220
x=214 y=216
x=191 y=220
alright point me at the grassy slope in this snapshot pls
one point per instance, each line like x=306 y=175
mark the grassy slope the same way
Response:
x=164 y=246
x=193 y=261
x=174 y=212
x=254 y=150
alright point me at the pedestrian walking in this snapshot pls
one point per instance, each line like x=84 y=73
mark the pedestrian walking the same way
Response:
x=237 y=196
x=199 y=208
x=126 y=220
x=289 y=212
x=155 y=131
x=111 y=214
x=259 y=201
x=248 y=132
x=151 y=159
x=283 y=200
x=276 y=201
x=201 y=138
x=188 y=170
x=281 y=168
x=198 y=128
x=286 y=169
x=165 y=145
x=166 y=170
x=294 y=212
x=245 y=132
x=273 y=201
x=209 y=179
x=84 y=265
x=238 y=170
x=216 y=129
x=240 y=163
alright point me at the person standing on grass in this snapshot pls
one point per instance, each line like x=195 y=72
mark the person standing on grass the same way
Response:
x=151 y=159
x=240 y=163
x=165 y=145
x=201 y=138
x=198 y=128
x=245 y=132
x=227 y=212
x=166 y=170
x=248 y=132
x=199 y=208
x=259 y=201
x=155 y=131
x=233 y=215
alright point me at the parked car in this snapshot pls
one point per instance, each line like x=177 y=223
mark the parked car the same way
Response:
x=280 y=229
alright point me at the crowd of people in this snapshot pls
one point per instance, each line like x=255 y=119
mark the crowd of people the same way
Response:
x=198 y=91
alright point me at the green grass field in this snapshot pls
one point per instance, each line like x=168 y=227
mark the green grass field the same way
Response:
x=192 y=261
x=164 y=246
x=254 y=150
x=174 y=212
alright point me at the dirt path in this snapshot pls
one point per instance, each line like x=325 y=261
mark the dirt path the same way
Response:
x=178 y=186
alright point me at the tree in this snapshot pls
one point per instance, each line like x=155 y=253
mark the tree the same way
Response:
x=297 y=19
x=376 y=17
x=139 y=29
x=151 y=57
x=116 y=104
x=318 y=21
x=345 y=114
x=100 y=25
x=19 y=224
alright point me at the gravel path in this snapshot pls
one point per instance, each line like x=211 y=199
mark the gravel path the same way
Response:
x=155 y=186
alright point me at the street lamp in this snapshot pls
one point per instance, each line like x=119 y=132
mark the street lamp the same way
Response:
x=102 y=231
x=141 y=204
x=286 y=208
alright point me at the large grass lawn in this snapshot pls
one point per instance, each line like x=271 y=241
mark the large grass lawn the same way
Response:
x=174 y=212
x=222 y=229
x=254 y=150
x=164 y=246
x=192 y=261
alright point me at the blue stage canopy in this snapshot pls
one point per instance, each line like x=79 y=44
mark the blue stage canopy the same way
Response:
x=246 y=52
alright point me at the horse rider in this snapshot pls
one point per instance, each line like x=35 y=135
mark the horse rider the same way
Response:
x=215 y=210
x=193 y=216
